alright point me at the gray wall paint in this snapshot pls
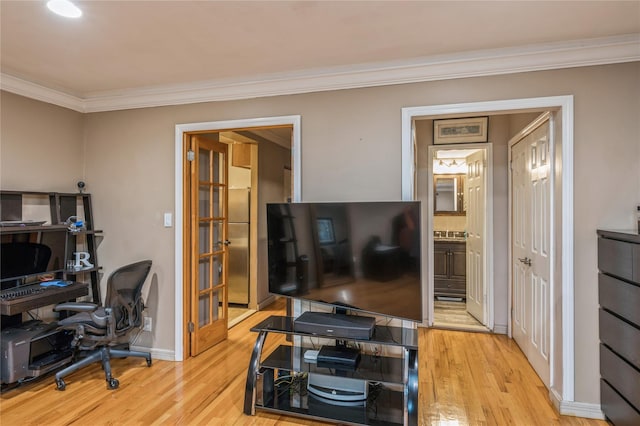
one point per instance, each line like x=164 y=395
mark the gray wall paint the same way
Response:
x=41 y=145
x=350 y=151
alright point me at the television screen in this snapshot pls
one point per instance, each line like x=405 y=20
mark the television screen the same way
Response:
x=360 y=255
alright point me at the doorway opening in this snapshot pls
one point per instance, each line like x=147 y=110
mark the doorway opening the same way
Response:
x=248 y=148
x=261 y=164
x=415 y=170
x=459 y=189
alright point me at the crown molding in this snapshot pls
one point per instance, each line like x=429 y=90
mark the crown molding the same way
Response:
x=31 y=90
x=579 y=53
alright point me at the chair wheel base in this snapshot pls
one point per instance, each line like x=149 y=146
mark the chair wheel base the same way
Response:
x=60 y=385
x=113 y=384
x=149 y=362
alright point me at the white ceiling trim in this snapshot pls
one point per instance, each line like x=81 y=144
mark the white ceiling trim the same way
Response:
x=559 y=55
x=31 y=90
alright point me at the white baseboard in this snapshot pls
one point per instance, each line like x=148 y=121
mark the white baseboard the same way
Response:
x=500 y=329
x=555 y=398
x=581 y=409
x=576 y=409
x=163 y=354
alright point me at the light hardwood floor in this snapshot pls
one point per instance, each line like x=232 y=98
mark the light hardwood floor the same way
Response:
x=465 y=379
x=454 y=316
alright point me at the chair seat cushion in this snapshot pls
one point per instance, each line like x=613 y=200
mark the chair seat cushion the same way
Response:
x=96 y=319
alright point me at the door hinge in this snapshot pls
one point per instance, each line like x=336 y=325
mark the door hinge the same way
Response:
x=191 y=327
x=191 y=155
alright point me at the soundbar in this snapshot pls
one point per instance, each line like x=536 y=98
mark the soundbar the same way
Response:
x=339 y=326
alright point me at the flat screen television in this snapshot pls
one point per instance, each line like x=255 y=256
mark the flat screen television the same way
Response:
x=23 y=256
x=362 y=256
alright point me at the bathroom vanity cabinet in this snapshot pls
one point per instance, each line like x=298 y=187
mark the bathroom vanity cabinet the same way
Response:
x=450 y=268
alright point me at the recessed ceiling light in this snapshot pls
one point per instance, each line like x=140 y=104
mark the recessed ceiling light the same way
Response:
x=64 y=8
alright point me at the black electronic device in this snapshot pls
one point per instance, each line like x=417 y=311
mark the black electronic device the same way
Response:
x=21 y=261
x=32 y=349
x=340 y=326
x=338 y=357
x=362 y=256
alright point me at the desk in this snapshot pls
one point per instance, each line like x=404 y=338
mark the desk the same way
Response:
x=50 y=296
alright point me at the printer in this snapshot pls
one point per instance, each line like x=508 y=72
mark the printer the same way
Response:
x=31 y=349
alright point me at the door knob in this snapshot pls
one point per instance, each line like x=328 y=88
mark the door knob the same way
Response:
x=227 y=242
x=526 y=261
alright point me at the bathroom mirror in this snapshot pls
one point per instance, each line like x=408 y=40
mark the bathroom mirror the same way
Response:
x=448 y=194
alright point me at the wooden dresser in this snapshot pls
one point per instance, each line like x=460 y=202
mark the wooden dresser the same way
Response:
x=619 y=298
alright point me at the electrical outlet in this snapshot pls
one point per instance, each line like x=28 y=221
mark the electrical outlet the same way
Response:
x=148 y=324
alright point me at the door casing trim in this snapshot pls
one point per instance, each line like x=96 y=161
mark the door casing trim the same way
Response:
x=214 y=126
x=566 y=251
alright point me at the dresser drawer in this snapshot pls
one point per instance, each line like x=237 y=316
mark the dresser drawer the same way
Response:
x=620 y=297
x=621 y=337
x=616 y=408
x=616 y=258
x=620 y=375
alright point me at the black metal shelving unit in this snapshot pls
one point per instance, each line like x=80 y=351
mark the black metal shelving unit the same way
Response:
x=392 y=381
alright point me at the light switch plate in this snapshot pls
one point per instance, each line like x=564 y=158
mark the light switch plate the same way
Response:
x=168 y=219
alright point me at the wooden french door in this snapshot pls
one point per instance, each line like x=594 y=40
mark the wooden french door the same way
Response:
x=206 y=261
x=530 y=244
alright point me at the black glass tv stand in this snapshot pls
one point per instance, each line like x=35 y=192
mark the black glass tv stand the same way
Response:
x=277 y=382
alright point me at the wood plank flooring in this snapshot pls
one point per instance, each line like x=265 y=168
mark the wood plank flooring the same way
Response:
x=454 y=316
x=465 y=379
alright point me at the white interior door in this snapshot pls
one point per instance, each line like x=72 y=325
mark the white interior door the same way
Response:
x=475 y=187
x=530 y=247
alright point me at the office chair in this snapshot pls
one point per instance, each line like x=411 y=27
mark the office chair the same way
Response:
x=100 y=332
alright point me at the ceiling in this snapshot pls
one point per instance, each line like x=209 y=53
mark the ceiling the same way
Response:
x=122 y=49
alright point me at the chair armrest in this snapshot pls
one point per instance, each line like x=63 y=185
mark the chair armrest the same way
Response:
x=76 y=307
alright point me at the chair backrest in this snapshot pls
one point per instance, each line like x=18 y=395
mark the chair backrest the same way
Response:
x=23 y=258
x=124 y=294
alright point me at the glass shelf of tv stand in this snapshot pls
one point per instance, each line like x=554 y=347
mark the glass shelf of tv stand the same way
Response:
x=383 y=406
x=381 y=369
x=382 y=335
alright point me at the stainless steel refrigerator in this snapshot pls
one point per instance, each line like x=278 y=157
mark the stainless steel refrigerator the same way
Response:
x=239 y=225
